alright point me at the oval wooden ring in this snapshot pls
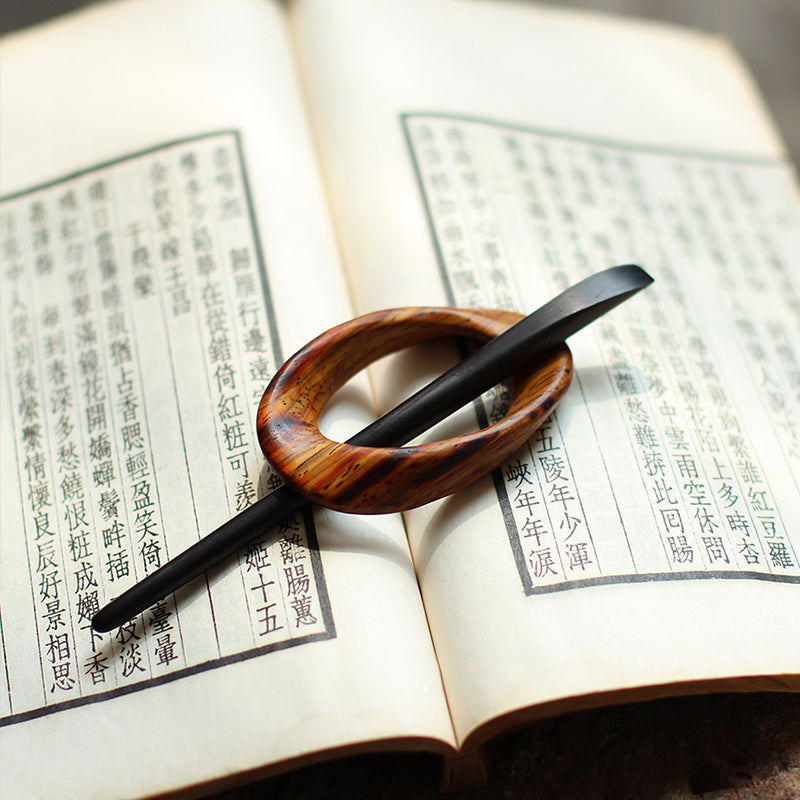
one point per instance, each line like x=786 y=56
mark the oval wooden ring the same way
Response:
x=380 y=480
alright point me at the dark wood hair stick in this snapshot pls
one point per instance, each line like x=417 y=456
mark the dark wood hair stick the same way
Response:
x=518 y=347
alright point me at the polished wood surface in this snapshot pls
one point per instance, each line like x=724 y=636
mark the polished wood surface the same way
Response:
x=379 y=480
x=727 y=746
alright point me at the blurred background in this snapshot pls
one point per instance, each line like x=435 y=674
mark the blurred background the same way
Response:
x=719 y=747
x=766 y=33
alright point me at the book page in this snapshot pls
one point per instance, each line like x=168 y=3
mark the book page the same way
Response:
x=164 y=244
x=496 y=154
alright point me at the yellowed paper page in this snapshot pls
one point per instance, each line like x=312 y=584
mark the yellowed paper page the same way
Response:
x=484 y=154
x=165 y=244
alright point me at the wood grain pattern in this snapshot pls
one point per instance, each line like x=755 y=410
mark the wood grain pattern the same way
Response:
x=379 y=480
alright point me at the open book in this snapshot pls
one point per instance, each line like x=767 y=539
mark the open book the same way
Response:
x=191 y=190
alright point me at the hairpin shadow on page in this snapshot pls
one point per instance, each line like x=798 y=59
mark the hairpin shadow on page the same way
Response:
x=372 y=473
